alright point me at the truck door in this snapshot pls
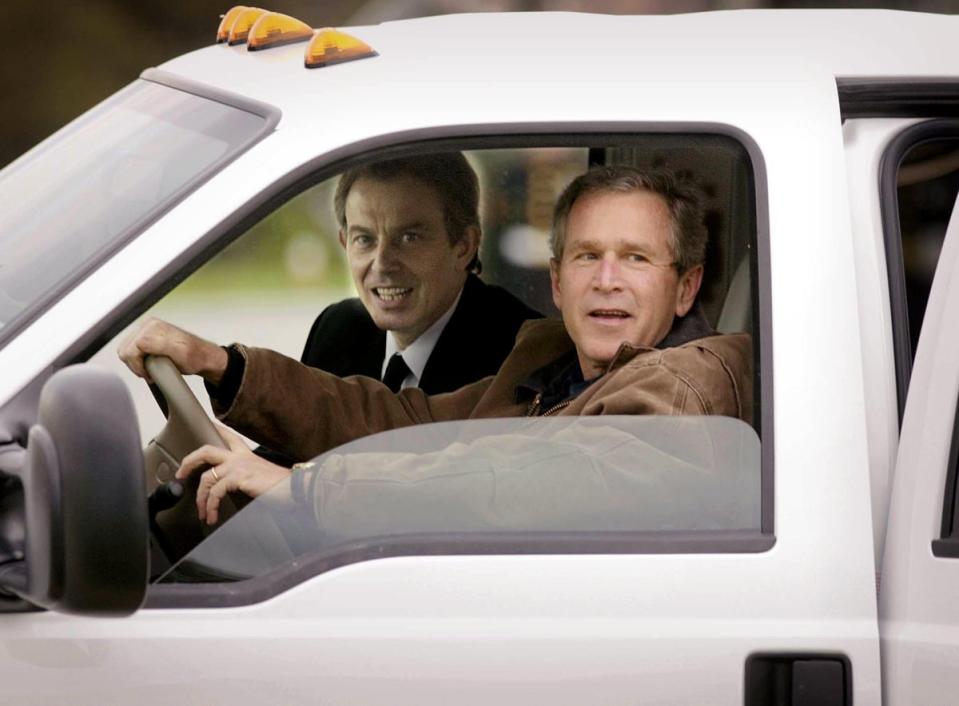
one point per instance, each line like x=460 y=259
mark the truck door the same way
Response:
x=919 y=582
x=778 y=607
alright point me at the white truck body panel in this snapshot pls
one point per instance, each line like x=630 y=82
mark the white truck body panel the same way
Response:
x=917 y=602
x=672 y=628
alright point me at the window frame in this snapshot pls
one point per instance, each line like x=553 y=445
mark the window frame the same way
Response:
x=505 y=136
x=947 y=545
x=889 y=163
x=937 y=102
x=262 y=588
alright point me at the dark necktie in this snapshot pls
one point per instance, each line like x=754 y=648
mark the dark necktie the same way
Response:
x=396 y=372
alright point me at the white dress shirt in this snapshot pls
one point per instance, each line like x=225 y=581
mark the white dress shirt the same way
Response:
x=417 y=354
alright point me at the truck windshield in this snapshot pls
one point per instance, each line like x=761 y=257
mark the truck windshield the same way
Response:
x=79 y=196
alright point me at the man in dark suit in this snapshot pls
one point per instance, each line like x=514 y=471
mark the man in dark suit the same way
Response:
x=411 y=231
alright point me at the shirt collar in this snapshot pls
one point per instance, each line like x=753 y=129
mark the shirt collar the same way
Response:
x=417 y=354
x=688 y=328
x=555 y=382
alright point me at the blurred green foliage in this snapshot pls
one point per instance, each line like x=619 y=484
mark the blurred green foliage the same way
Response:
x=294 y=247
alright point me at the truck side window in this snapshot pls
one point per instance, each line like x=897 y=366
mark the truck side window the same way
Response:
x=928 y=181
x=614 y=482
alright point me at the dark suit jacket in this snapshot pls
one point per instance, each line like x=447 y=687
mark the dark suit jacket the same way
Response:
x=476 y=340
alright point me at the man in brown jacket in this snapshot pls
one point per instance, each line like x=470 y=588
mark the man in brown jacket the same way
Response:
x=628 y=249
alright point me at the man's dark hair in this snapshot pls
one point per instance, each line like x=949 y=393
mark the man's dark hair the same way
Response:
x=688 y=234
x=446 y=173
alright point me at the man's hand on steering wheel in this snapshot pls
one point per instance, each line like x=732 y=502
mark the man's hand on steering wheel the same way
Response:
x=191 y=354
x=236 y=468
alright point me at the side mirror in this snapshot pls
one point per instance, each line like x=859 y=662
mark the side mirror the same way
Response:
x=83 y=519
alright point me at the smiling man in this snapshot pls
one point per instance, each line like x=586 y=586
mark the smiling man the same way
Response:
x=411 y=231
x=628 y=249
x=615 y=278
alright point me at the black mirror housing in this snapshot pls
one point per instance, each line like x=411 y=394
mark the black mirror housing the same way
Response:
x=85 y=544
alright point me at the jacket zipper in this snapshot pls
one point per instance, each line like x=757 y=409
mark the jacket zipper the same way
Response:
x=534 y=405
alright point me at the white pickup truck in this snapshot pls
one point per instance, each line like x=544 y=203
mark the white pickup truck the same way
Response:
x=808 y=558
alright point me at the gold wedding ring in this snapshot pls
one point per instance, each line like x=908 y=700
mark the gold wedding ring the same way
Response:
x=215 y=476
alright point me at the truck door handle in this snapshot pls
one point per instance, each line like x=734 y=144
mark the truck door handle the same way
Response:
x=798 y=680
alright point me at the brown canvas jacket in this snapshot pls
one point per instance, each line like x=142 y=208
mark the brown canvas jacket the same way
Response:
x=304 y=411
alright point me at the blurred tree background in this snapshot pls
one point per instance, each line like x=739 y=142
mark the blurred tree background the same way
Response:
x=61 y=59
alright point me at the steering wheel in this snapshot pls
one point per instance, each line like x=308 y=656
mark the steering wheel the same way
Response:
x=177 y=529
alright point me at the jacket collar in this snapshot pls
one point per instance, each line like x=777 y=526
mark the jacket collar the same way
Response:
x=562 y=378
x=687 y=328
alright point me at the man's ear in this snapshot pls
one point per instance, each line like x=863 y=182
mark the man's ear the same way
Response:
x=689 y=283
x=554 y=281
x=466 y=247
x=342 y=238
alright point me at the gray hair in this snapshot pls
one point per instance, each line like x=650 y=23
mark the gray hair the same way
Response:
x=688 y=234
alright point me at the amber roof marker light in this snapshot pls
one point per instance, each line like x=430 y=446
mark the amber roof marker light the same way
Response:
x=274 y=29
x=330 y=46
x=226 y=22
x=241 y=26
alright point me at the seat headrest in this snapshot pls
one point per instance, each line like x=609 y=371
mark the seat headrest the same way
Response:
x=736 y=314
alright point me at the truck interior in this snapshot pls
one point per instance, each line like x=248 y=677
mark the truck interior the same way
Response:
x=520 y=179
